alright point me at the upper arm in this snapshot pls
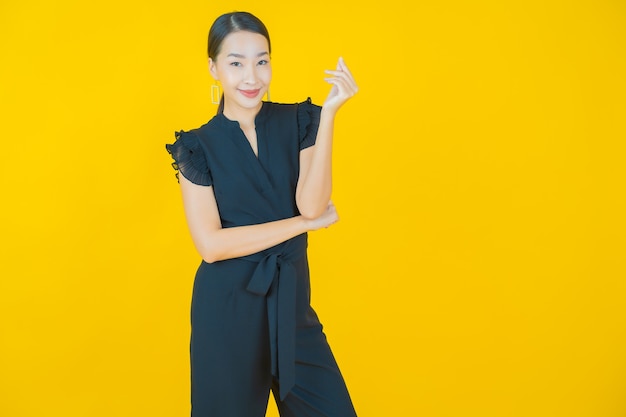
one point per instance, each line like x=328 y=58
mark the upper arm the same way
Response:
x=201 y=212
x=306 y=156
x=308 y=117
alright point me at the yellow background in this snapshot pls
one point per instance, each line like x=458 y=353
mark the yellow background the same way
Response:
x=478 y=269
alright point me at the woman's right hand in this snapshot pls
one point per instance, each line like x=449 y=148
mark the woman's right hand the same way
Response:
x=343 y=87
x=327 y=218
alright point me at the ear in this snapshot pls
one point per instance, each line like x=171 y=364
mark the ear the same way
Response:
x=213 y=69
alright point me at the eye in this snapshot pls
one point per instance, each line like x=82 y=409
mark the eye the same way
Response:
x=235 y=64
x=263 y=62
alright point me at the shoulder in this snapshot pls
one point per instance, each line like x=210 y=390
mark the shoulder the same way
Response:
x=290 y=107
x=212 y=130
x=292 y=111
x=195 y=140
x=189 y=157
x=273 y=110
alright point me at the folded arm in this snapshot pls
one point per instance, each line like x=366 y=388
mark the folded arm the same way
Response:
x=215 y=243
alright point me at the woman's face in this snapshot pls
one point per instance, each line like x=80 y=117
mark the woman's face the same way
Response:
x=244 y=70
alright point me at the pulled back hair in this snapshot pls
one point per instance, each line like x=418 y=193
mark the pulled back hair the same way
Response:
x=227 y=24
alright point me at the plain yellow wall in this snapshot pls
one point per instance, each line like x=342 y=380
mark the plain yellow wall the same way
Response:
x=478 y=269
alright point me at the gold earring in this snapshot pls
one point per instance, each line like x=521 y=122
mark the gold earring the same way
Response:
x=215 y=94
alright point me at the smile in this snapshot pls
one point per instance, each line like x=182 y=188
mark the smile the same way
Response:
x=250 y=93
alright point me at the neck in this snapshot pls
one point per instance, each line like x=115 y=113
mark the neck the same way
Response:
x=244 y=116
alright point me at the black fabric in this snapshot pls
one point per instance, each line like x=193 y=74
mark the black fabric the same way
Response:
x=308 y=122
x=189 y=158
x=253 y=328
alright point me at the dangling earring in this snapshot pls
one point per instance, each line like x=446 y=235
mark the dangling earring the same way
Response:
x=215 y=94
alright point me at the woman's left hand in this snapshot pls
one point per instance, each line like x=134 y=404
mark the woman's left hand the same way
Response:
x=343 y=86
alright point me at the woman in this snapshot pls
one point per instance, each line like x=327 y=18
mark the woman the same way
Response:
x=255 y=179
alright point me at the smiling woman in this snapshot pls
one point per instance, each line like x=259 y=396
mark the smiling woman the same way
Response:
x=242 y=42
x=255 y=179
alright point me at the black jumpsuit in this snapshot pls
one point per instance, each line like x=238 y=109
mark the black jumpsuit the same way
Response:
x=253 y=328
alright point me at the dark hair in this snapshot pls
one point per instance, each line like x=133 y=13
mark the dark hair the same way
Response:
x=227 y=24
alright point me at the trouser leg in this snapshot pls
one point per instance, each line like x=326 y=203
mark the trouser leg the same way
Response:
x=320 y=390
x=229 y=350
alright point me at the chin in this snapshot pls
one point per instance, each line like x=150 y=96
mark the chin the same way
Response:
x=250 y=103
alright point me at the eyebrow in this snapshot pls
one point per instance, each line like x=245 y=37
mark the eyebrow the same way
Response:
x=242 y=56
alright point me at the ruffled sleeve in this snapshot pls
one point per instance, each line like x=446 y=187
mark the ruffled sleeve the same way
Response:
x=189 y=158
x=308 y=122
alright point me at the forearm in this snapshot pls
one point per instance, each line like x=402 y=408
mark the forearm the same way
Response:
x=315 y=184
x=233 y=242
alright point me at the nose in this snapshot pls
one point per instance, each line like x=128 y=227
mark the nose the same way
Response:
x=249 y=76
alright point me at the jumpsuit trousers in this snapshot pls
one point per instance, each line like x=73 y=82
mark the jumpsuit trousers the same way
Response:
x=253 y=330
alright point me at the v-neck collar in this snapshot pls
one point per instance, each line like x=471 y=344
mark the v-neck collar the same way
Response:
x=238 y=131
x=241 y=141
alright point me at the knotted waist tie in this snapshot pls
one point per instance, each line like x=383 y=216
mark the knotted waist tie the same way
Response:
x=275 y=278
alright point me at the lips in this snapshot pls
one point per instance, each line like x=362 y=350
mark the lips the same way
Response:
x=250 y=93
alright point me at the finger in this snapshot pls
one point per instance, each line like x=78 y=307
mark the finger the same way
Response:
x=342 y=89
x=343 y=86
x=341 y=64
x=344 y=67
x=342 y=74
x=336 y=73
x=346 y=70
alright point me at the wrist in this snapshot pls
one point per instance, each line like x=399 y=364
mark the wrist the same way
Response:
x=328 y=113
x=305 y=224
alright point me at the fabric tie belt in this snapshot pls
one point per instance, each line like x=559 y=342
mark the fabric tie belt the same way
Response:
x=275 y=278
